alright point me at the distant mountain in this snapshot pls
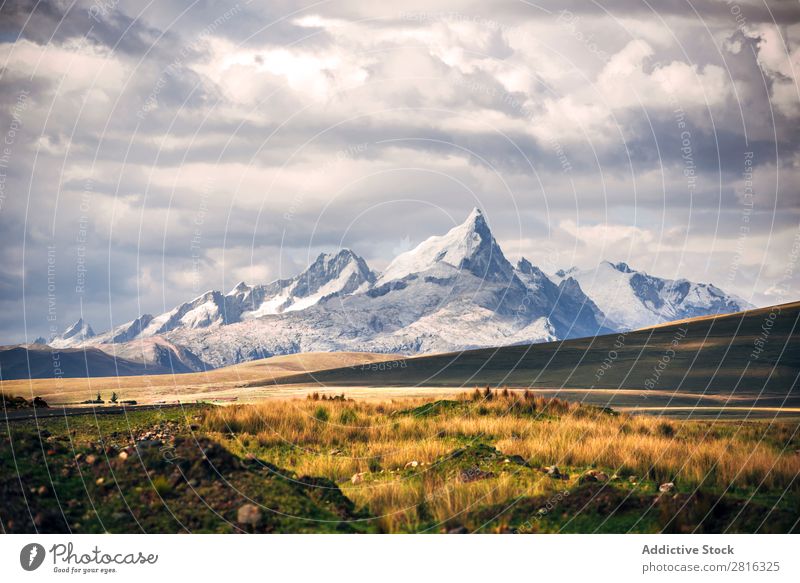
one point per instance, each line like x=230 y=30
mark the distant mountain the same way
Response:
x=451 y=292
x=74 y=335
x=37 y=361
x=713 y=365
x=469 y=246
x=633 y=299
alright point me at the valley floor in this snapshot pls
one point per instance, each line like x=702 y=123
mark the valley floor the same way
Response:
x=497 y=461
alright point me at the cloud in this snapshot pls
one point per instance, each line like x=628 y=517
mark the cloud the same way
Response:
x=292 y=128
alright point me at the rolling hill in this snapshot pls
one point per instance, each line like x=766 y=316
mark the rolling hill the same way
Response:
x=747 y=357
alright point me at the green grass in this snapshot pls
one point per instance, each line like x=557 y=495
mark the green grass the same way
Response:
x=480 y=467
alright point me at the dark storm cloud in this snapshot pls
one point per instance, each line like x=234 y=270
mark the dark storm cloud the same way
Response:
x=711 y=11
x=98 y=22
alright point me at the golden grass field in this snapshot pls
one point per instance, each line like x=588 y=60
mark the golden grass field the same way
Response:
x=219 y=384
x=377 y=441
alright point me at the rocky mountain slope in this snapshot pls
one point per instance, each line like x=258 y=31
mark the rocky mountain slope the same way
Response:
x=452 y=292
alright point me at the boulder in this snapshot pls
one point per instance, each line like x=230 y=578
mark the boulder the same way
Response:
x=249 y=515
x=553 y=471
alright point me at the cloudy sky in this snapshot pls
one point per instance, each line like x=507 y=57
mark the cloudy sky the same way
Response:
x=152 y=151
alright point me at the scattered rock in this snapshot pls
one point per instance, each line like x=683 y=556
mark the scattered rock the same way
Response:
x=632 y=479
x=411 y=464
x=100 y=481
x=357 y=478
x=123 y=455
x=553 y=471
x=593 y=476
x=91 y=459
x=42 y=490
x=249 y=515
x=666 y=487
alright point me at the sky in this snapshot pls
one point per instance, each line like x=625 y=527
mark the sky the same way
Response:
x=152 y=151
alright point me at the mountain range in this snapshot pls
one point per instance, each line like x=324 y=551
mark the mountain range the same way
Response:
x=452 y=292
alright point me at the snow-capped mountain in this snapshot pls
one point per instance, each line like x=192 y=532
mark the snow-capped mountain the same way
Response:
x=451 y=292
x=76 y=334
x=633 y=299
x=469 y=246
x=327 y=277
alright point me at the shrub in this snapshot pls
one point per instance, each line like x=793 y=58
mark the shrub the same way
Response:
x=348 y=416
x=161 y=485
x=666 y=430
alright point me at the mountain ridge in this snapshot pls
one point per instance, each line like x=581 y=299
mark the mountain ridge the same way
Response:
x=451 y=292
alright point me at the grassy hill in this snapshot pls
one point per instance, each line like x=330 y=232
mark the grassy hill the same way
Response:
x=732 y=359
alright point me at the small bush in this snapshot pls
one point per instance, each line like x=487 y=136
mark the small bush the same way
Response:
x=321 y=414
x=161 y=485
x=666 y=430
x=348 y=417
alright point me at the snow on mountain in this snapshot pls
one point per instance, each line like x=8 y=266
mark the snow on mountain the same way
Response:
x=451 y=292
x=328 y=276
x=74 y=335
x=565 y=304
x=468 y=246
x=633 y=299
x=443 y=306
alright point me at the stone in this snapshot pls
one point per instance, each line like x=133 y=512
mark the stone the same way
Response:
x=553 y=471
x=249 y=515
x=411 y=464
x=91 y=459
x=593 y=476
x=666 y=487
x=123 y=455
x=357 y=478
